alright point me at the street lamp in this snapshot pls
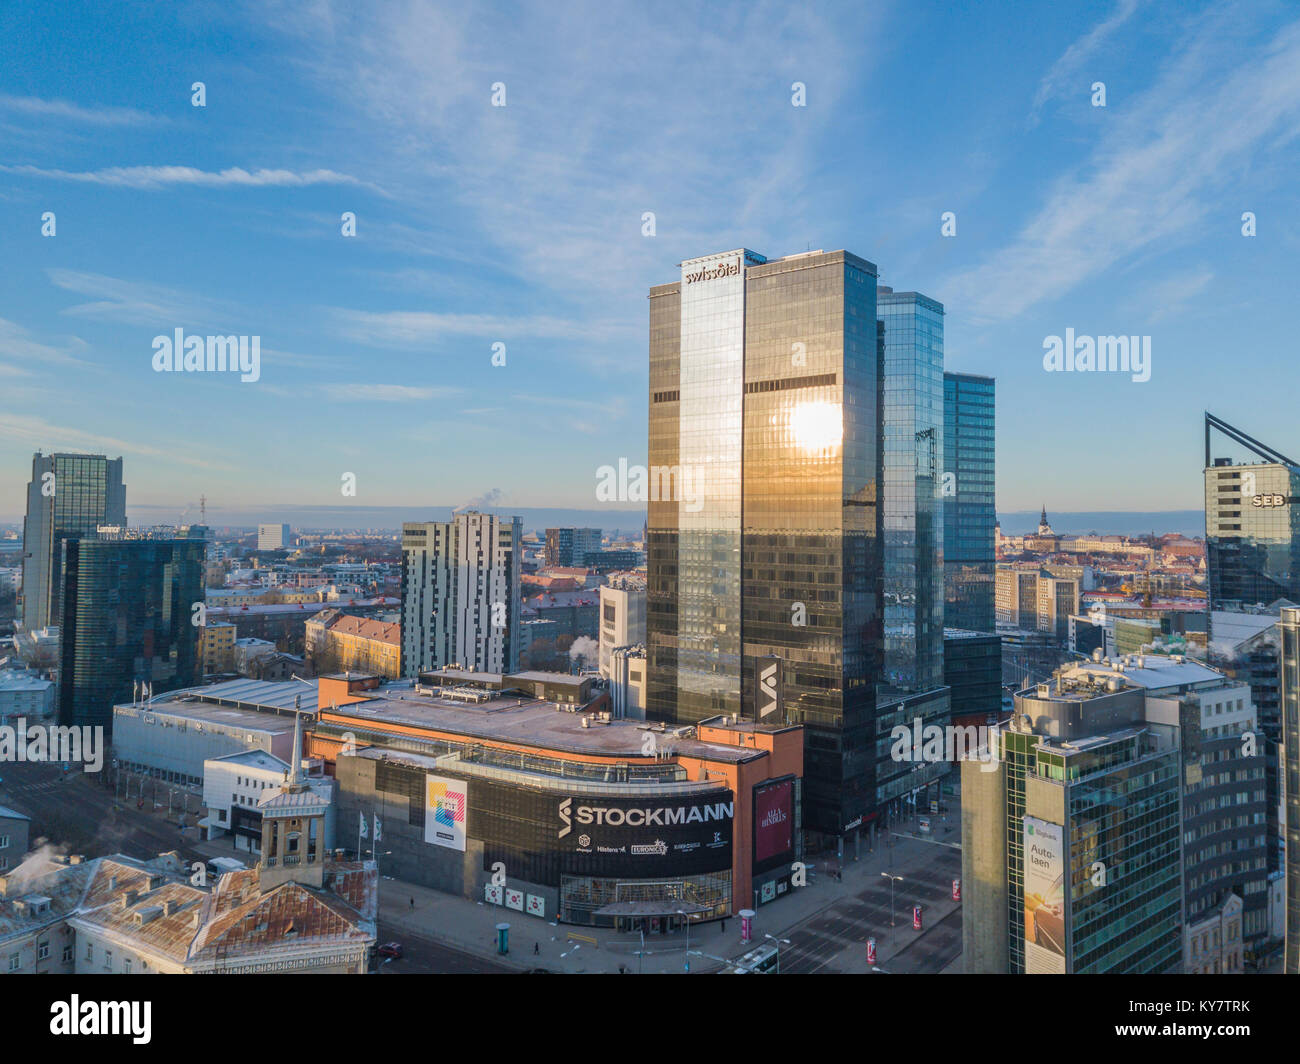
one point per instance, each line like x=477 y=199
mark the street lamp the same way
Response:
x=780 y=942
x=892 y=881
x=683 y=915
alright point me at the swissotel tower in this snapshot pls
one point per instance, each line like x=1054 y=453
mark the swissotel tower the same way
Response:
x=766 y=566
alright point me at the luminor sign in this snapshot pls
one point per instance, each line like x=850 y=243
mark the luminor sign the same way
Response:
x=712 y=273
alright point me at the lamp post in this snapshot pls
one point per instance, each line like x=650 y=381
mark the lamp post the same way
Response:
x=779 y=943
x=892 y=881
x=683 y=915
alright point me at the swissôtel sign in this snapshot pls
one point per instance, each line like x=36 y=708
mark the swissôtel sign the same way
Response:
x=712 y=273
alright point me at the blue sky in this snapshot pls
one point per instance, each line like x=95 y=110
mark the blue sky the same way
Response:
x=522 y=225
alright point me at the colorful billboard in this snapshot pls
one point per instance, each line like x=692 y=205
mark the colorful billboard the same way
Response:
x=1044 y=857
x=446 y=807
x=773 y=823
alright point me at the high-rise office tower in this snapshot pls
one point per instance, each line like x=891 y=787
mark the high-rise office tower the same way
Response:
x=763 y=542
x=1252 y=524
x=1072 y=835
x=1289 y=628
x=570 y=546
x=969 y=505
x=127 y=606
x=69 y=495
x=913 y=455
x=460 y=593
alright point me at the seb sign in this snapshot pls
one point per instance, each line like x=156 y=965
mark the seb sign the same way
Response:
x=1268 y=500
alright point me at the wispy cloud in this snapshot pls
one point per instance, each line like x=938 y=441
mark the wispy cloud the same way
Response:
x=557 y=180
x=384 y=393
x=36 y=432
x=18 y=345
x=155 y=177
x=1156 y=179
x=1066 y=70
x=133 y=302
x=403 y=328
x=1173 y=295
x=63 y=109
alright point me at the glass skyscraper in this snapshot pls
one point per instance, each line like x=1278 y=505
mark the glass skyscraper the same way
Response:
x=1252 y=524
x=913 y=456
x=763 y=532
x=970 y=510
x=69 y=495
x=128 y=606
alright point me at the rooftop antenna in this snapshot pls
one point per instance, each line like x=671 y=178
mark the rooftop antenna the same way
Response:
x=203 y=509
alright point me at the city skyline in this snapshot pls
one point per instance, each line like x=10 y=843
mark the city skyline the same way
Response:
x=479 y=225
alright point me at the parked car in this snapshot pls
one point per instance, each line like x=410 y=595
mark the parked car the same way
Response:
x=390 y=949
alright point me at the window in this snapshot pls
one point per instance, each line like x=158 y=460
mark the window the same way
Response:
x=126 y=966
x=90 y=952
x=67 y=954
x=13 y=962
x=4 y=842
x=108 y=959
x=43 y=951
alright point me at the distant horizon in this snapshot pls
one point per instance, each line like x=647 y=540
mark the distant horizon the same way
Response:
x=306 y=518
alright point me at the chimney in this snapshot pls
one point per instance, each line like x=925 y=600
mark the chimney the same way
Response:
x=129 y=897
x=170 y=906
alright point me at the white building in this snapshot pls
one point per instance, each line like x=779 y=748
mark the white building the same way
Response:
x=273 y=537
x=460 y=594
x=622 y=621
x=23 y=695
x=234 y=787
x=627 y=682
x=249 y=650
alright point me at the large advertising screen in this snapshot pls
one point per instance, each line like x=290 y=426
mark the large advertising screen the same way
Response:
x=446 y=811
x=773 y=823
x=1044 y=853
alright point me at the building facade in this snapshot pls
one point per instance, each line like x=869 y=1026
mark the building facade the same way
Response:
x=69 y=495
x=570 y=546
x=128 y=602
x=763 y=535
x=1071 y=847
x=274 y=537
x=970 y=511
x=622 y=621
x=461 y=593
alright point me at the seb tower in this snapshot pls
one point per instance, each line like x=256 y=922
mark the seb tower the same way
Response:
x=764 y=520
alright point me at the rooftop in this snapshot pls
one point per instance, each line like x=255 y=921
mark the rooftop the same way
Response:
x=528 y=722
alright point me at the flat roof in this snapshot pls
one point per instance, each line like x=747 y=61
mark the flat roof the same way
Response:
x=208 y=713
x=530 y=722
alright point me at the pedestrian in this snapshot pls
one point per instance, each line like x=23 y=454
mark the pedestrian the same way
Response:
x=412 y=905
x=724 y=927
x=536 y=949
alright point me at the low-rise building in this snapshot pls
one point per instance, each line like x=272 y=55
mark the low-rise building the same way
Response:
x=340 y=642
x=218 y=647
x=25 y=695
x=15 y=831
x=171 y=736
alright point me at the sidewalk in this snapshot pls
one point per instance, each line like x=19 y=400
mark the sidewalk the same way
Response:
x=470 y=926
